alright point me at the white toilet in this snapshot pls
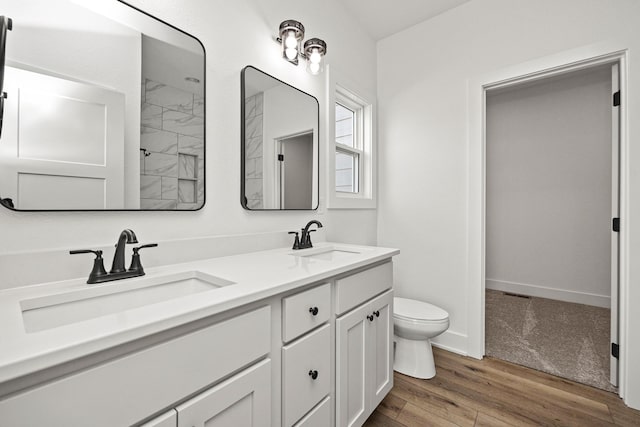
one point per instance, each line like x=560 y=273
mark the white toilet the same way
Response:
x=414 y=324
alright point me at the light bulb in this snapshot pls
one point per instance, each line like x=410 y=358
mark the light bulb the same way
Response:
x=314 y=67
x=315 y=56
x=291 y=53
x=291 y=42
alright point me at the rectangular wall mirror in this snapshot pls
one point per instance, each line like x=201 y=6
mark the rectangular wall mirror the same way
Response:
x=105 y=109
x=279 y=169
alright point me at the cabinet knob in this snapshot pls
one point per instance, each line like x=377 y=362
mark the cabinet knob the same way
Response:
x=313 y=374
x=377 y=313
x=313 y=310
x=370 y=317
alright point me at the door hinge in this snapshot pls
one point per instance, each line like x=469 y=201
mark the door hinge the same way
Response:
x=615 y=350
x=616 y=99
x=615 y=225
x=281 y=157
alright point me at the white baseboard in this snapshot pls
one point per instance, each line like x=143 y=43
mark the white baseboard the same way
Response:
x=451 y=341
x=550 y=293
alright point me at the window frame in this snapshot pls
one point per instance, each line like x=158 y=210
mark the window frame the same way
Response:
x=357 y=150
x=364 y=132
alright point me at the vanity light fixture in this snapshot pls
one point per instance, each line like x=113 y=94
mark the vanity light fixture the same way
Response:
x=290 y=37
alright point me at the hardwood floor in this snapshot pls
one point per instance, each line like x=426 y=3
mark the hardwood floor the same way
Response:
x=492 y=392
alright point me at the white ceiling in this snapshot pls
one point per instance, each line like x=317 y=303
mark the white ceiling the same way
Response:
x=381 y=18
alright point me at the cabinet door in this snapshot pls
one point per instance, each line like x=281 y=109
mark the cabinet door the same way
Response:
x=352 y=346
x=241 y=401
x=381 y=352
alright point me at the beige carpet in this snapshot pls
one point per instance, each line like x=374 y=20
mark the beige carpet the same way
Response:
x=564 y=339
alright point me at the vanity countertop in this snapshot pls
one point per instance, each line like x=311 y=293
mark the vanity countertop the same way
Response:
x=255 y=276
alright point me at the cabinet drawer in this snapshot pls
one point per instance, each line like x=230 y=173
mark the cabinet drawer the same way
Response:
x=300 y=359
x=320 y=416
x=357 y=288
x=298 y=311
x=153 y=378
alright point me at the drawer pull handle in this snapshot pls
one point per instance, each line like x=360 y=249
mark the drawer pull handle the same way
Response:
x=377 y=313
x=313 y=374
x=313 y=310
x=370 y=317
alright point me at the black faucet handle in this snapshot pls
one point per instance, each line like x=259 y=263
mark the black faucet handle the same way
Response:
x=148 y=245
x=296 y=241
x=136 y=265
x=98 y=264
x=98 y=253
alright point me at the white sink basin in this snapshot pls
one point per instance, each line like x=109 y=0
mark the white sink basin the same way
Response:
x=327 y=254
x=93 y=301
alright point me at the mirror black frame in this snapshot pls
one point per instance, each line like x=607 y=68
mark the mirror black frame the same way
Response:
x=243 y=198
x=9 y=205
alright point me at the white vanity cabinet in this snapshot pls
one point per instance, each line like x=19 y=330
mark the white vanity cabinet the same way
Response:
x=364 y=337
x=127 y=389
x=315 y=352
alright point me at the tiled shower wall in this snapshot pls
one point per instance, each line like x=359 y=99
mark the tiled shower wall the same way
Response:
x=253 y=125
x=171 y=148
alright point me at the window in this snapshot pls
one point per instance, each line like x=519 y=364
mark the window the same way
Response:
x=348 y=152
x=352 y=164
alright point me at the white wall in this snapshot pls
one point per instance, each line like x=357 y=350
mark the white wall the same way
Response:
x=234 y=34
x=424 y=75
x=548 y=188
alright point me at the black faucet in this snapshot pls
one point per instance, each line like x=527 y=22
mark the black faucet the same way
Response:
x=126 y=236
x=305 y=235
x=118 y=271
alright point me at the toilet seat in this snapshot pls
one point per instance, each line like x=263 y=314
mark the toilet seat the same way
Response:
x=417 y=311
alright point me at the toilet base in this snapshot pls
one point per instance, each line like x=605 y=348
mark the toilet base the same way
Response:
x=414 y=358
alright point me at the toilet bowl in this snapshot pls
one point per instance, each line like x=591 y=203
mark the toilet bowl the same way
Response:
x=414 y=324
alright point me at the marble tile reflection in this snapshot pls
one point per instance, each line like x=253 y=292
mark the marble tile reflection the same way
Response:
x=158 y=141
x=186 y=166
x=253 y=127
x=186 y=191
x=150 y=187
x=169 y=188
x=151 y=116
x=189 y=206
x=161 y=164
x=254 y=204
x=253 y=189
x=200 y=195
x=168 y=97
x=185 y=124
x=190 y=145
x=153 y=204
x=253 y=148
x=198 y=105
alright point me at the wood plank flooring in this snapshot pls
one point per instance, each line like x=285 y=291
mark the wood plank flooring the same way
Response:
x=492 y=392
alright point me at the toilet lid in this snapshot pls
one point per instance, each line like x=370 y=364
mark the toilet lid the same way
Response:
x=418 y=310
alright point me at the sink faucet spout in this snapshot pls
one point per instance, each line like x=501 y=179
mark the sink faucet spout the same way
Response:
x=126 y=236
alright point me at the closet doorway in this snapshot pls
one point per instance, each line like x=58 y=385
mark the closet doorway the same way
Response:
x=551 y=254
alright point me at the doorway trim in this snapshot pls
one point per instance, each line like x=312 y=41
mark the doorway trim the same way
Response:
x=554 y=65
